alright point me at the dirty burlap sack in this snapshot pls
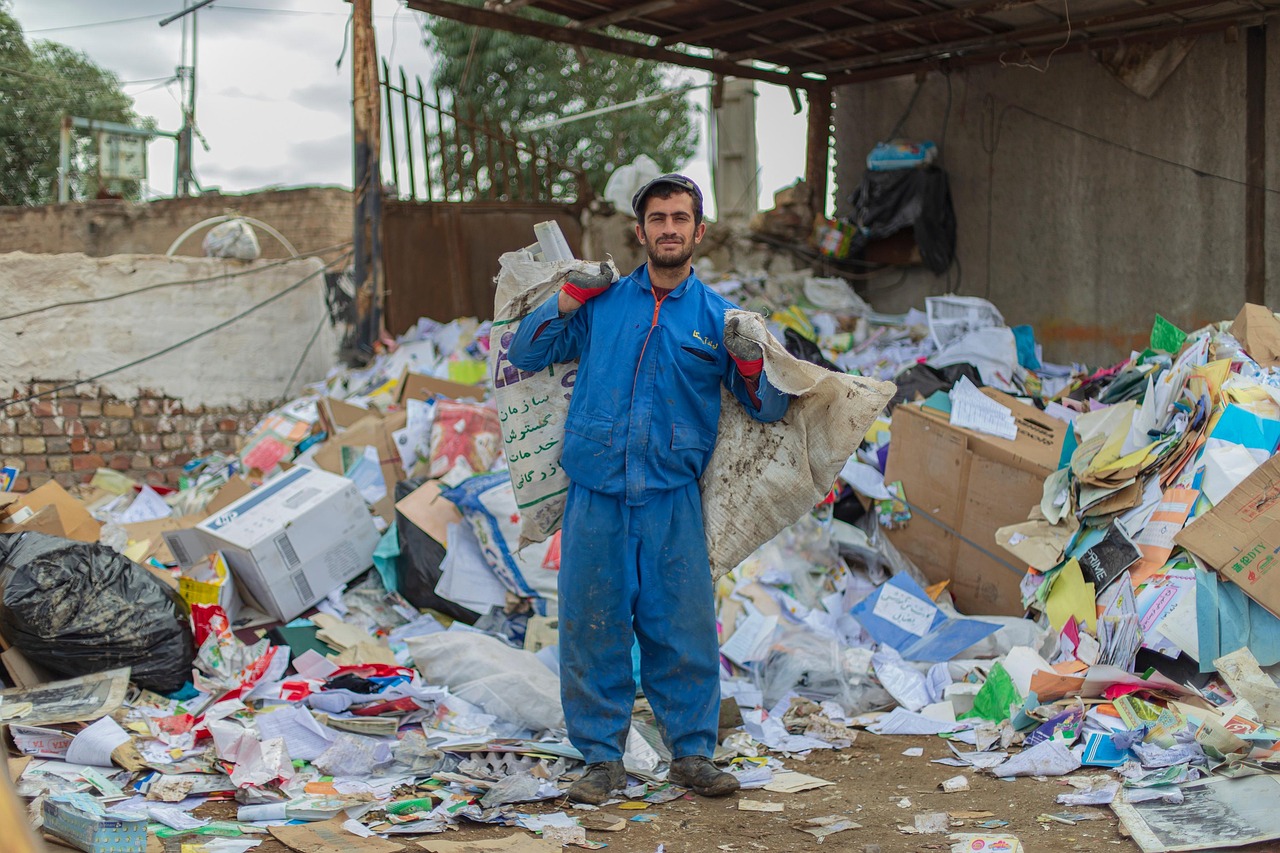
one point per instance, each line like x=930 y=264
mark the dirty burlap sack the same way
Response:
x=762 y=477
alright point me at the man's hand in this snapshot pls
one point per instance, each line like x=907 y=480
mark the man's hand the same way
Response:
x=740 y=338
x=581 y=286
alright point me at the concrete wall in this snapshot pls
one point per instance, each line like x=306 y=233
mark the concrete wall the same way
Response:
x=150 y=419
x=249 y=360
x=311 y=218
x=1084 y=240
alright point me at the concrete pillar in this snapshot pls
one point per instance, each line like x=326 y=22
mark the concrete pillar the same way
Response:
x=734 y=170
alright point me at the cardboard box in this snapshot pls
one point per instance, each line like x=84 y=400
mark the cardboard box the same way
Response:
x=50 y=509
x=415 y=386
x=1240 y=537
x=377 y=432
x=963 y=486
x=290 y=542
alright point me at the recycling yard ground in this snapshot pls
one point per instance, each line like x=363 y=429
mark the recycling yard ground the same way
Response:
x=872 y=779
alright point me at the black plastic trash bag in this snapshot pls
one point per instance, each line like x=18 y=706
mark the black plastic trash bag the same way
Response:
x=919 y=199
x=76 y=609
x=418 y=566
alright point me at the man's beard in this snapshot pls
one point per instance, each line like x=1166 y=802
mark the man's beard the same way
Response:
x=671 y=261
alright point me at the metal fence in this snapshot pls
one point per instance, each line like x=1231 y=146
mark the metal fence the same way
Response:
x=438 y=150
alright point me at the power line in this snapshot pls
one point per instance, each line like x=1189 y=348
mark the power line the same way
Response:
x=89 y=24
x=225 y=277
x=182 y=343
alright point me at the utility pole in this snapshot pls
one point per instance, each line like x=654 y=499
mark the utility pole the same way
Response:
x=184 y=175
x=367 y=124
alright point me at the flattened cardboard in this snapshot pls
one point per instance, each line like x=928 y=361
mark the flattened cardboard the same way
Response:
x=54 y=512
x=1240 y=537
x=329 y=837
x=153 y=533
x=234 y=490
x=415 y=386
x=430 y=513
x=971 y=484
x=1259 y=330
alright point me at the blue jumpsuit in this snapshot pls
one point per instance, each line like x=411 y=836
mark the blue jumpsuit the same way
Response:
x=639 y=433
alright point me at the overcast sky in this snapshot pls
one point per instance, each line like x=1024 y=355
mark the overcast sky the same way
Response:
x=272 y=104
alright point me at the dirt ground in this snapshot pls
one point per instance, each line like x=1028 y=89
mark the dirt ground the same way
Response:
x=871 y=778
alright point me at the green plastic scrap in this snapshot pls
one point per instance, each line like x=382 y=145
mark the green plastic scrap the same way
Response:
x=1166 y=337
x=995 y=697
x=219 y=828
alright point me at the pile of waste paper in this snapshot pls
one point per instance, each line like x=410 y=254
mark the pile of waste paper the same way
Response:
x=338 y=631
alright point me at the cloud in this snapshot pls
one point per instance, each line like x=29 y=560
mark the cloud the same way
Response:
x=327 y=97
x=237 y=92
x=322 y=152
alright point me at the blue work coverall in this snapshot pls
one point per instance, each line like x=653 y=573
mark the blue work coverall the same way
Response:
x=639 y=433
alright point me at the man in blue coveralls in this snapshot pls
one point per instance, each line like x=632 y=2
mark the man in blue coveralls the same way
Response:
x=653 y=350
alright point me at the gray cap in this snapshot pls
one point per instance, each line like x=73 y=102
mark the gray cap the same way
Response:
x=676 y=180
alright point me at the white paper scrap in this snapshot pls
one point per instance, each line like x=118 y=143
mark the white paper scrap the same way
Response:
x=971 y=409
x=94 y=745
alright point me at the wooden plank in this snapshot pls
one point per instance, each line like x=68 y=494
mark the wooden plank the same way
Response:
x=626 y=13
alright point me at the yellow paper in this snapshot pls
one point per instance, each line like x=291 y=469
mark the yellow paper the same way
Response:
x=1214 y=374
x=137 y=551
x=468 y=371
x=1072 y=597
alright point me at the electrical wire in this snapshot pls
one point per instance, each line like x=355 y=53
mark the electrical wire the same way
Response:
x=225 y=277
x=88 y=24
x=302 y=358
x=175 y=346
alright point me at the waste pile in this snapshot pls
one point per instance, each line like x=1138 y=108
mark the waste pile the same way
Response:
x=1086 y=594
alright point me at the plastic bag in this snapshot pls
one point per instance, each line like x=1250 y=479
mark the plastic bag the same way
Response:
x=77 y=609
x=233 y=239
x=511 y=684
x=814 y=667
x=464 y=434
x=418 y=564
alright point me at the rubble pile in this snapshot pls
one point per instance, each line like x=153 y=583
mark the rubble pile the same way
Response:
x=228 y=641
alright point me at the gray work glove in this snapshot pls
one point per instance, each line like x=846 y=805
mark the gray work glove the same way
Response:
x=583 y=285
x=740 y=339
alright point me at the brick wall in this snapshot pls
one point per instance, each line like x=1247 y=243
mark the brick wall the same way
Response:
x=309 y=217
x=69 y=435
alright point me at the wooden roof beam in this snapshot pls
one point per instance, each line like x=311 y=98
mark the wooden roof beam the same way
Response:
x=625 y=14
x=506 y=5
x=1012 y=39
x=1002 y=52
x=896 y=25
x=747 y=22
x=579 y=38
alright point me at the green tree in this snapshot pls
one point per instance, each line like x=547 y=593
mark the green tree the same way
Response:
x=515 y=81
x=38 y=83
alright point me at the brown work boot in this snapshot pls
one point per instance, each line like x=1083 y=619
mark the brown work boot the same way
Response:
x=702 y=776
x=598 y=782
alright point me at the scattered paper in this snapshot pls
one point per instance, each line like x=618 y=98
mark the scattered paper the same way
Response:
x=77 y=700
x=954 y=785
x=791 y=782
x=821 y=827
x=971 y=409
x=968 y=842
x=94 y=745
x=1214 y=813
x=758 y=806
x=913 y=751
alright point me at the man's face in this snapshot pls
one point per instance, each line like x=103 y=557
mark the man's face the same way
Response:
x=668 y=233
